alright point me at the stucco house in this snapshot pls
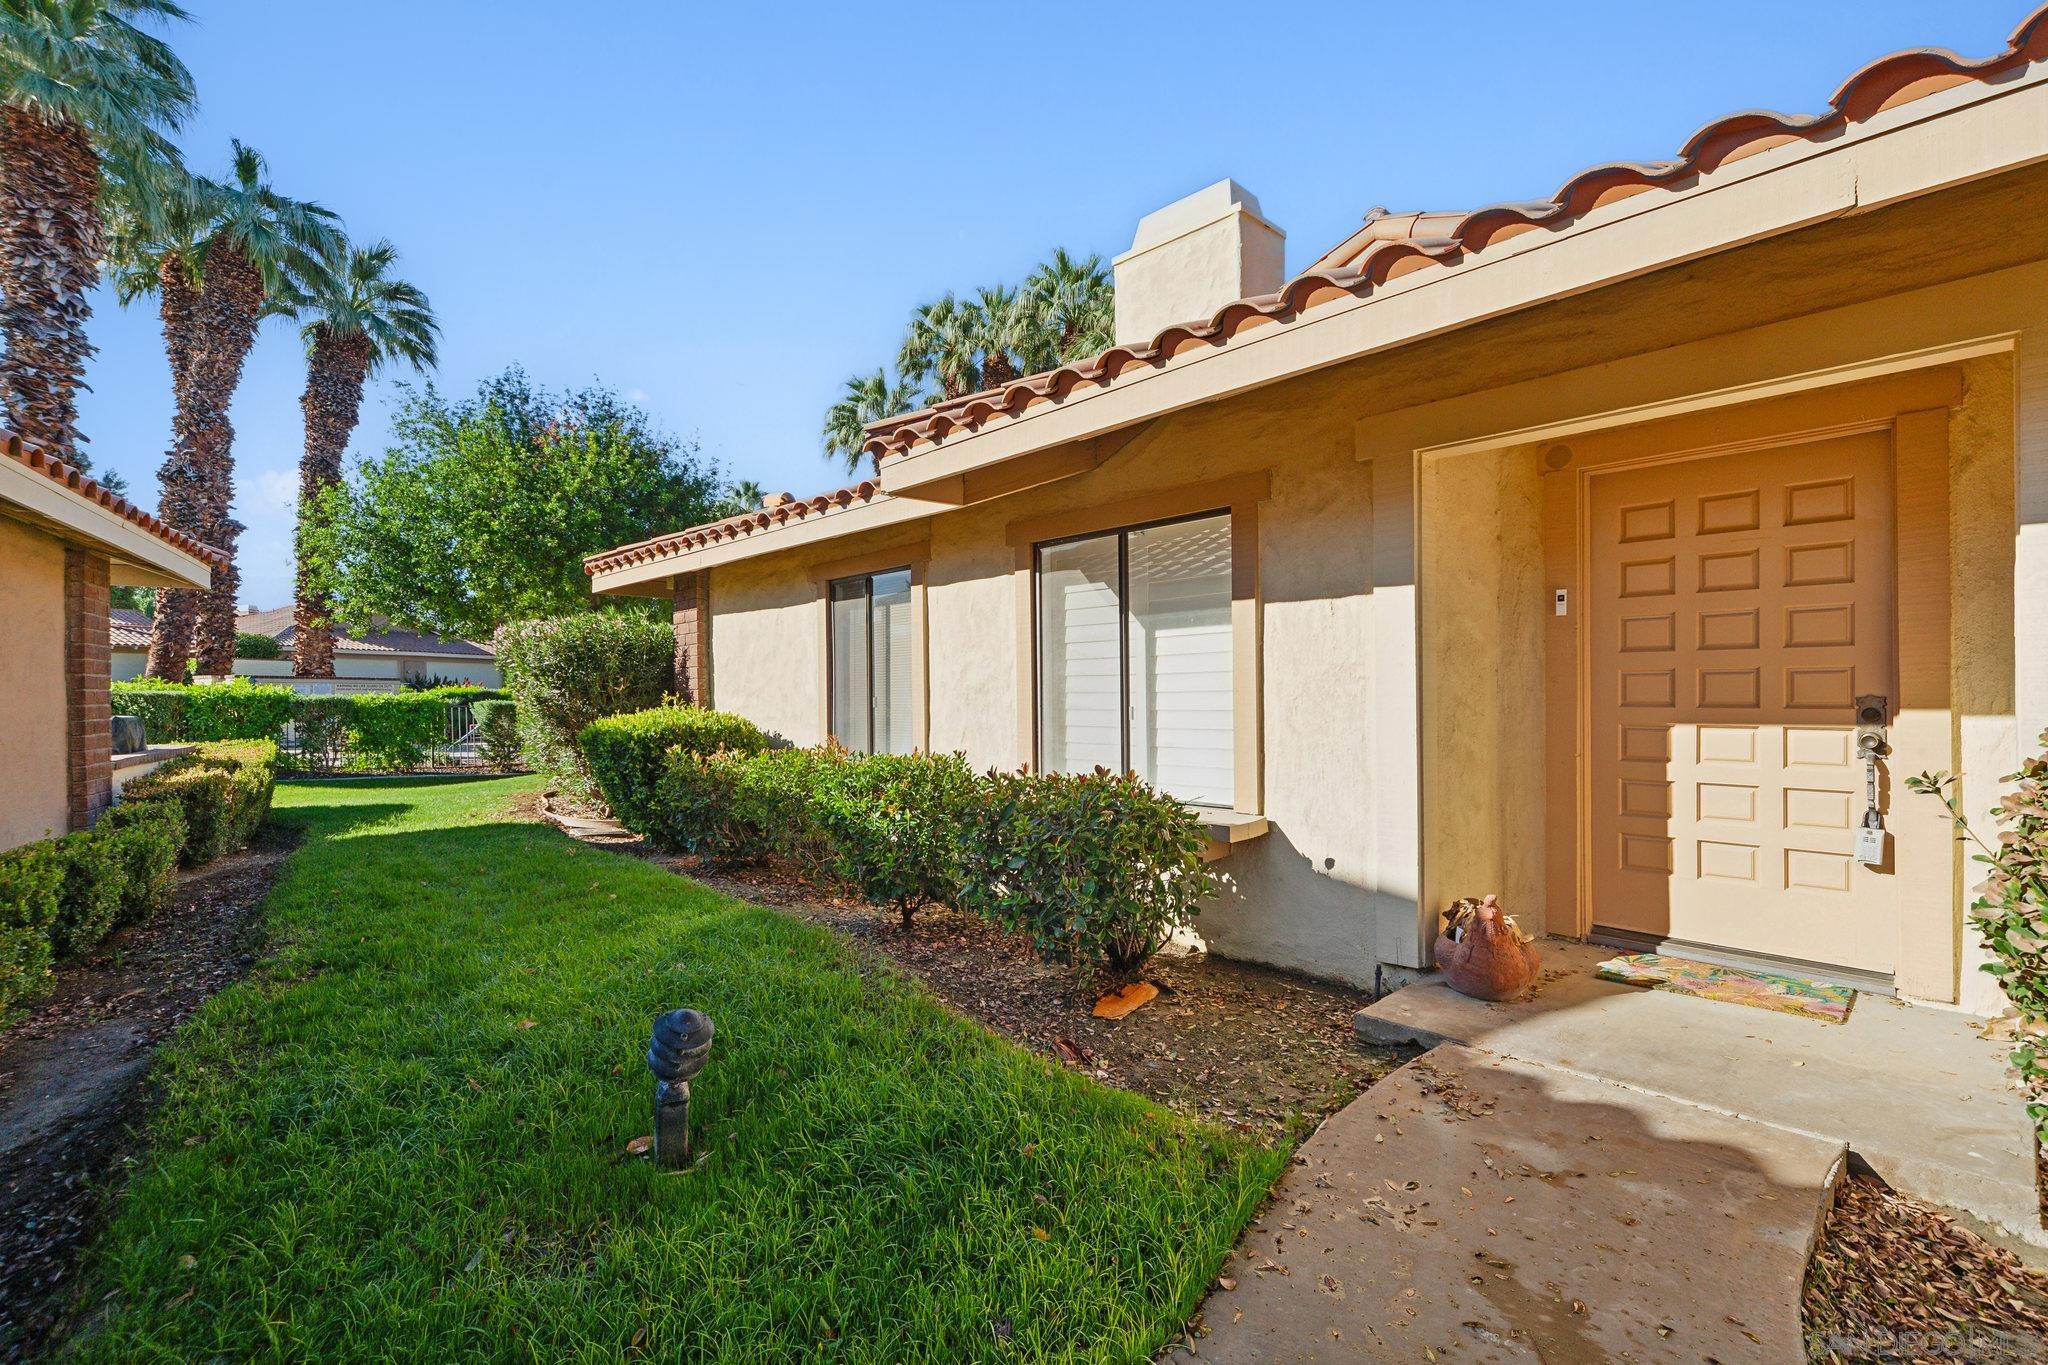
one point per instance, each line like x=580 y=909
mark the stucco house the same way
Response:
x=63 y=541
x=372 y=660
x=1557 y=548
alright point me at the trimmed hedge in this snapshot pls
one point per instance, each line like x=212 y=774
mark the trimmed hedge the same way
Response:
x=183 y=712
x=395 y=729
x=223 y=791
x=626 y=754
x=497 y=731
x=59 y=897
x=893 y=824
x=1097 y=869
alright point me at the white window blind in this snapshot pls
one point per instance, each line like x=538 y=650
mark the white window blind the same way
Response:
x=890 y=645
x=1080 y=660
x=872 y=658
x=1134 y=667
x=1181 y=680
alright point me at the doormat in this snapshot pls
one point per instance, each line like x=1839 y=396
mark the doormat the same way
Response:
x=1762 y=990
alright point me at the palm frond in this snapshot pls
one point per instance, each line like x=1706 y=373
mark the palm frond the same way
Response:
x=362 y=296
x=92 y=63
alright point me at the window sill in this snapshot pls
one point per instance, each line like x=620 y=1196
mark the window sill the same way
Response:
x=1227 y=829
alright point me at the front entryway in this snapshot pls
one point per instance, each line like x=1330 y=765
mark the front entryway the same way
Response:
x=1738 y=604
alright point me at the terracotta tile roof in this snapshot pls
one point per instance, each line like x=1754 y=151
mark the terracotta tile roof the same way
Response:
x=277 y=624
x=60 y=473
x=1445 y=239
x=127 y=629
x=735 y=528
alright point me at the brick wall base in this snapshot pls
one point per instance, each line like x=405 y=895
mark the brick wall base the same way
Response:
x=693 y=639
x=88 y=708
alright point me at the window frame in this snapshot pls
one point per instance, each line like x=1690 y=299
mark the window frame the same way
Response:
x=866 y=579
x=1123 y=534
x=913 y=556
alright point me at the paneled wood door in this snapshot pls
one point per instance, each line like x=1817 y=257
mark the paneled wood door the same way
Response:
x=1738 y=605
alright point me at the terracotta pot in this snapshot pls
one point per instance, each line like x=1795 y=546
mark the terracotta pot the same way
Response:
x=1482 y=954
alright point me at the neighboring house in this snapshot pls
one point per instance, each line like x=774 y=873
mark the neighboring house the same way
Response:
x=63 y=541
x=1545 y=549
x=379 y=660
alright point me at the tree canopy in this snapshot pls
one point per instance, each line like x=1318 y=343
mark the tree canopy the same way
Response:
x=483 y=508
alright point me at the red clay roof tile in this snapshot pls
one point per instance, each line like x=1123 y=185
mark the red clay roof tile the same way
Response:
x=60 y=473
x=1883 y=84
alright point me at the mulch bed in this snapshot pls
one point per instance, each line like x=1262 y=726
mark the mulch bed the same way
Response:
x=1263 y=1052
x=73 y=1074
x=1897 y=1280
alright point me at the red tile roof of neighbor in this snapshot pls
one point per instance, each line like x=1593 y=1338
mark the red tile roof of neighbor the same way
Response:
x=277 y=624
x=1385 y=248
x=92 y=491
x=127 y=629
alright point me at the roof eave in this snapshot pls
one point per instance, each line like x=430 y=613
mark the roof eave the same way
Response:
x=1984 y=130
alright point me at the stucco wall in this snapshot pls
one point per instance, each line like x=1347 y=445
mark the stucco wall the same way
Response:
x=1396 y=775
x=33 y=741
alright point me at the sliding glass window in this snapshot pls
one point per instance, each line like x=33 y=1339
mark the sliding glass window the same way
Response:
x=872 y=651
x=1134 y=656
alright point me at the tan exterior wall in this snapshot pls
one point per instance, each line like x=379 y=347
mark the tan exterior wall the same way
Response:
x=1404 y=598
x=33 y=722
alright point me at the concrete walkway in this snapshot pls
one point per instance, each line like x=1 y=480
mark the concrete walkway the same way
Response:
x=1476 y=1208
x=1913 y=1091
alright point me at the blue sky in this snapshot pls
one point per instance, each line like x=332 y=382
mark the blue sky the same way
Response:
x=724 y=210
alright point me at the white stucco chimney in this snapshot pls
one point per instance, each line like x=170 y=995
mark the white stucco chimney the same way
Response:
x=1192 y=257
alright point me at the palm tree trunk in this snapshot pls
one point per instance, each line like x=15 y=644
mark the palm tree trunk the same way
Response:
x=230 y=305
x=51 y=241
x=170 y=633
x=996 y=369
x=332 y=403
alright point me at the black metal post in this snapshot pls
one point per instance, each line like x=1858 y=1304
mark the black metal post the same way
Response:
x=677 y=1052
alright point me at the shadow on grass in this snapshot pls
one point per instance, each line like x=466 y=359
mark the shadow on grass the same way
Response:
x=412 y=1136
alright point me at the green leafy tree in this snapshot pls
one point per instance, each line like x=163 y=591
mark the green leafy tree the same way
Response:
x=866 y=398
x=356 y=321
x=483 y=509
x=86 y=96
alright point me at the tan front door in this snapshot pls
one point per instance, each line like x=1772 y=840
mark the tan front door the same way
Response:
x=1738 y=605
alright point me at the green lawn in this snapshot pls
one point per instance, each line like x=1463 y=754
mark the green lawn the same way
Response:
x=362 y=1152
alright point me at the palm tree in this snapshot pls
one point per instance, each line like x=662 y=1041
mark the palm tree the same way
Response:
x=1075 y=301
x=245 y=251
x=358 y=319
x=867 y=398
x=85 y=96
x=740 y=496
x=942 y=341
x=1004 y=323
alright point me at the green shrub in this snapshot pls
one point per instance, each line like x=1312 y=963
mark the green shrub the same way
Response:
x=31 y=878
x=322 y=720
x=179 y=712
x=730 y=807
x=893 y=822
x=567 y=671
x=1098 y=870
x=497 y=732
x=161 y=706
x=223 y=792
x=394 y=730
x=626 y=754
x=149 y=835
x=249 y=645
x=89 y=898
